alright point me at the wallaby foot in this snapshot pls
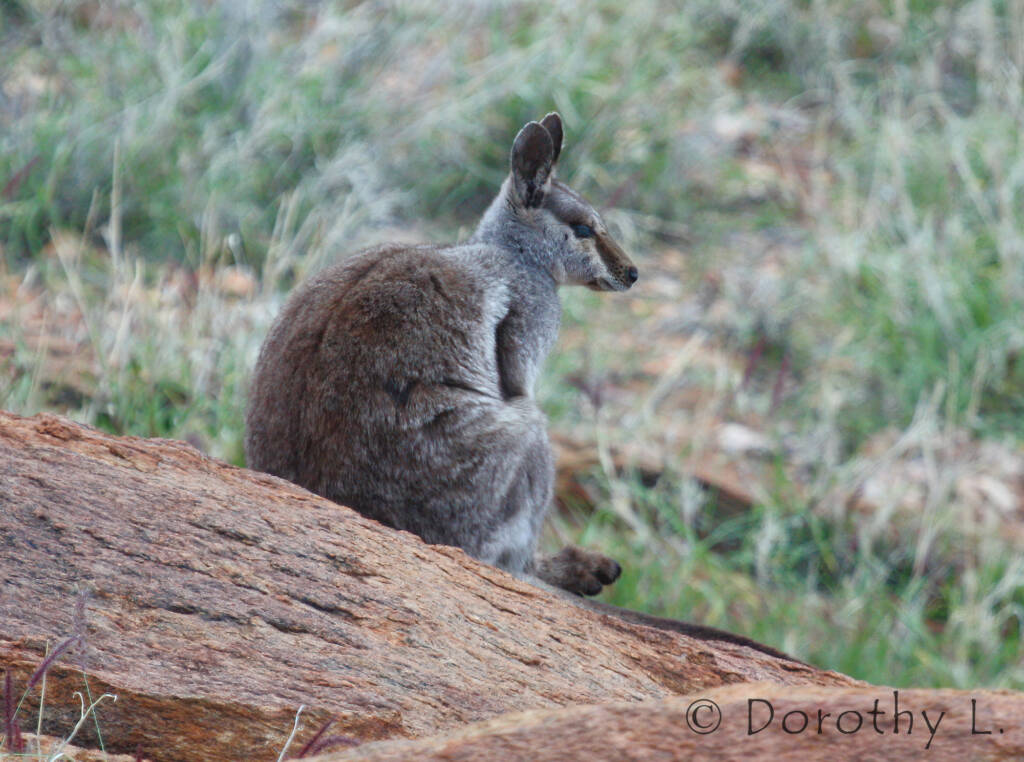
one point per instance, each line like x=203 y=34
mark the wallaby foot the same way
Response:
x=579 y=571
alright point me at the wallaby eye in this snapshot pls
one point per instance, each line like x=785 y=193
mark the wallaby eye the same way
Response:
x=583 y=231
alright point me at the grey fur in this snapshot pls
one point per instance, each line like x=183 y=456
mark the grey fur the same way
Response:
x=400 y=382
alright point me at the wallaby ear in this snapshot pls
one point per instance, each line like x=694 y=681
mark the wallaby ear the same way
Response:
x=553 y=124
x=532 y=156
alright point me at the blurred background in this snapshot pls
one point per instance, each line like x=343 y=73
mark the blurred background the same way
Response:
x=803 y=424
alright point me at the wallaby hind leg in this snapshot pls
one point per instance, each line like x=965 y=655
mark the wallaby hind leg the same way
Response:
x=579 y=571
x=527 y=502
x=512 y=525
x=524 y=504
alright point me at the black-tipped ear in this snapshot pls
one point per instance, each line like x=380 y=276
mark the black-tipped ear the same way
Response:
x=553 y=124
x=532 y=155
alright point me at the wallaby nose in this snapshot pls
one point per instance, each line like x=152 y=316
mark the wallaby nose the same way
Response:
x=631 y=275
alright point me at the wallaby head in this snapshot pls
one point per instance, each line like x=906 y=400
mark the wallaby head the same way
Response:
x=549 y=222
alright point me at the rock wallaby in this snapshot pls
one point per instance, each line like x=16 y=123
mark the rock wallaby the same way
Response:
x=400 y=382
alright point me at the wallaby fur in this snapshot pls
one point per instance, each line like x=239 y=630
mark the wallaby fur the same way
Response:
x=400 y=382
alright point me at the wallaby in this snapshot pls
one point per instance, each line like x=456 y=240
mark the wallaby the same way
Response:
x=400 y=382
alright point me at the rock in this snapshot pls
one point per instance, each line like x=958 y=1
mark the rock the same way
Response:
x=215 y=601
x=745 y=722
x=737 y=439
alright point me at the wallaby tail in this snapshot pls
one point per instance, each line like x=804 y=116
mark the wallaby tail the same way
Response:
x=698 y=631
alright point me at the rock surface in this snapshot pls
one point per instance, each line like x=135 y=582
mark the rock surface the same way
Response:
x=745 y=722
x=215 y=601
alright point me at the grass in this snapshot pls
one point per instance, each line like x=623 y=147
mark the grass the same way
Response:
x=826 y=200
x=12 y=739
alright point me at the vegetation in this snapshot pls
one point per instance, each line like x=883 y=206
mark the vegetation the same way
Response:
x=825 y=199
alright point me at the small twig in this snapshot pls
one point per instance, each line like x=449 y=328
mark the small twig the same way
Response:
x=12 y=733
x=85 y=712
x=316 y=737
x=295 y=728
x=39 y=717
x=329 y=743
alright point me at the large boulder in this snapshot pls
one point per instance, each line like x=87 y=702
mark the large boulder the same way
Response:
x=214 y=601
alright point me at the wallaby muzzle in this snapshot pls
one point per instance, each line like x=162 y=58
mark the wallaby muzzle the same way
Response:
x=618 y=264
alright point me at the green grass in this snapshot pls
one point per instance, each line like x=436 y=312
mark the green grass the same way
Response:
x=806 y=590
x=874 y=151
